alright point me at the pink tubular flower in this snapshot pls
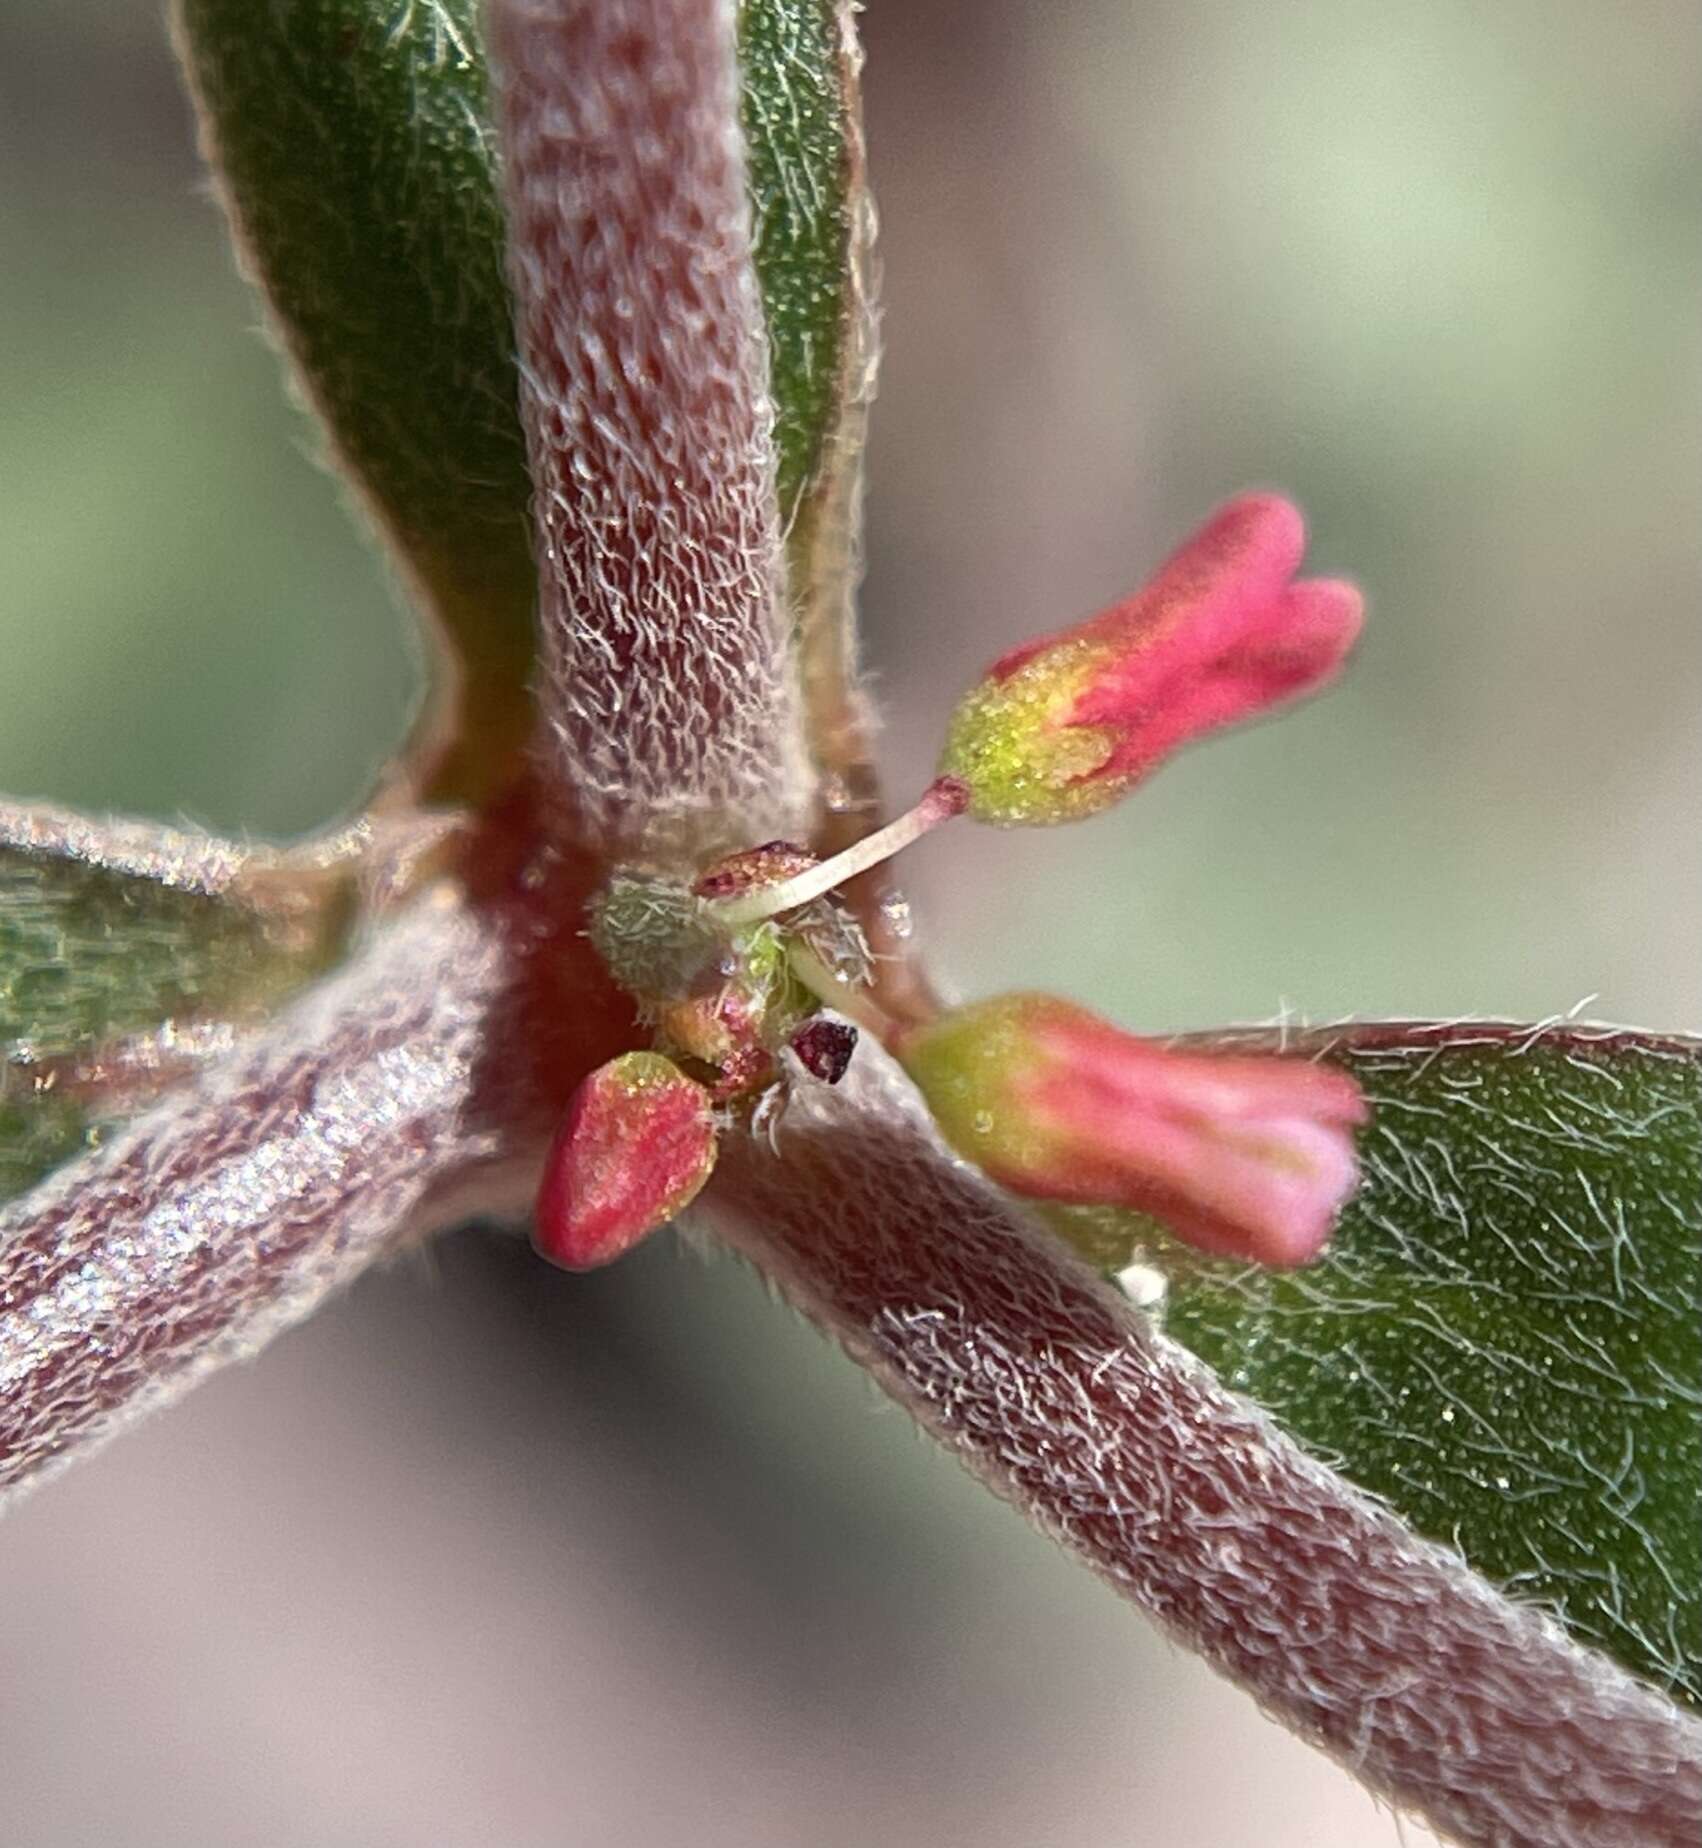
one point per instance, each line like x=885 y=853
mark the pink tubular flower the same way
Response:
x=637 y=1144
x=1063 y=726
x=1242 y=1157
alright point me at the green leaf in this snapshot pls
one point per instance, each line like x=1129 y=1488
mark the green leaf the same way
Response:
x=813 y=227
x=802 y=159
x=113 y=977
x=1505 y=1337
x=38 y=1131
x=359 y=163
x=355 y=145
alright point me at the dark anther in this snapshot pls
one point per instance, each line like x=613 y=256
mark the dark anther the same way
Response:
x=825 y=1047
x=753 y=866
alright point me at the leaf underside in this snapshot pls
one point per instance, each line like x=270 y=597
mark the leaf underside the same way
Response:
x=103 y=973
x=354 y=139
x=1504 y=1339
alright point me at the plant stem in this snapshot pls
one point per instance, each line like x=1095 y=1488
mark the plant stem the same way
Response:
x=1440 y=1693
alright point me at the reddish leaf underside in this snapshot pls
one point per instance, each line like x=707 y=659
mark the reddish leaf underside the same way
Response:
x=230 y=1210
x=1385 y=1650
x=672 y=701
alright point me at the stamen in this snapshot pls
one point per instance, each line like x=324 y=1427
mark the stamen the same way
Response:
x=834 y=991
x=942 y=800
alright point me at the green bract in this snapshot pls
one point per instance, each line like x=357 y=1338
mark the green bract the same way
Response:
x=964 y=1062
x=1013 y=748
x=1504 y=1339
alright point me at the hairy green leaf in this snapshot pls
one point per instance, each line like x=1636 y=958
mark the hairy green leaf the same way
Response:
x=114 y=978
x=1504 y=1339
x=814 y=227
x=359 y=164
x=38 y=1130
x=353 y=135
x=800 y=129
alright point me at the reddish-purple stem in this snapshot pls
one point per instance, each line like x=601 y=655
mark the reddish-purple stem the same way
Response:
x=1388 y=1652
x=667 y=682
x=231 y=1210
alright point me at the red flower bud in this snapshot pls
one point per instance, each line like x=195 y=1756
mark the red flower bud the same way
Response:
x=1240 y=1156
x=637 y=1143
x=1063 y=726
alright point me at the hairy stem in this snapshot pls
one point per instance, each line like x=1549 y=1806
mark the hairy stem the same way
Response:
x=667 y=683
x=1388 y=1652
x=229 y=1212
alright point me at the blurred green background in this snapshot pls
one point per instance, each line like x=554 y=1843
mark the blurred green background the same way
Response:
x=486 y=1555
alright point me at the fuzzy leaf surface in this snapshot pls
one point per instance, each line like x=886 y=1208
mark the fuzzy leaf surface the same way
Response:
x=800 y=124
x=355 y=148
x=103 y=968
x=1504 y=1339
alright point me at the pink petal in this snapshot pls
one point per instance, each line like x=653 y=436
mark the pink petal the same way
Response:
x=1064 y=725
x=1247 y=1157
x=1240 y=558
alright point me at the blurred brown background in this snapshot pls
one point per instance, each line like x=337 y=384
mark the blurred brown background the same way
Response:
x=486 y=1555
